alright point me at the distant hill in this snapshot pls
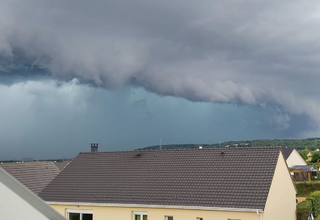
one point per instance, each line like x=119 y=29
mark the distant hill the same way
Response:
x=300 y=144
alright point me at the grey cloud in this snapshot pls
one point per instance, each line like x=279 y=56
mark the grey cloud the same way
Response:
x=243 y=52
x=141 y=103
x=46 y=119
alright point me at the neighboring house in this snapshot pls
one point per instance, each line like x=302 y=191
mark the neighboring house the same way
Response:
x=292 y=157
x=34 y=175
x=62 y=164
x=185 y=184
x=309 y=155
x=18 y=202
x=304 y=173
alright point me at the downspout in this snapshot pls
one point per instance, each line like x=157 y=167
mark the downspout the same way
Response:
x=259 y=214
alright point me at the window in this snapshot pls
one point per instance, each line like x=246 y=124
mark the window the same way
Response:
x=140 y=216
x=199 y=218
x=169 y=217
x=75 y=214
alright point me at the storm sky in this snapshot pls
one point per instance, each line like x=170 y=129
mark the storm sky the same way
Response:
x=129 y=73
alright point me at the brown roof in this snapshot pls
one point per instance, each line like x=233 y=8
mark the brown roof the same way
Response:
x=227 y=178
x=35 y=176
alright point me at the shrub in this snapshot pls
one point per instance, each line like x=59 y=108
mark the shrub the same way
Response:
x=304 y=154
x=315 y=156
x=314 y=164
x=305 y=188
x=314 y=198
x=303 y=210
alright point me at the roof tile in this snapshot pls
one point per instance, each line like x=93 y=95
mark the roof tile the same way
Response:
x=229 y=178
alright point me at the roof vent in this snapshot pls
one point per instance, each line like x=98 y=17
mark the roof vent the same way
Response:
x=94 y=147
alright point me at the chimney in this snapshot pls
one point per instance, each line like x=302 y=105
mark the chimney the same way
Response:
x=94 y=147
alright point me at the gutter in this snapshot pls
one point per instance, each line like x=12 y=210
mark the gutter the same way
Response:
x=154 y=206
x=259 y=214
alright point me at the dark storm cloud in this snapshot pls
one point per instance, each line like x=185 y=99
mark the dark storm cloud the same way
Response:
x=244 y=52
x=42 y=120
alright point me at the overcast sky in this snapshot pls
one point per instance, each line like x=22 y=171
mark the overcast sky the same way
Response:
x=129 y=73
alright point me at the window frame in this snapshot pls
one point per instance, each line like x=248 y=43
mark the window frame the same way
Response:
x=166 y=217
x=199 y=218
x=80 y=211
x=139 y=213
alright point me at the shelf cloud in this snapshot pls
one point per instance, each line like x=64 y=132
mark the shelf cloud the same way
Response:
x=244 y=52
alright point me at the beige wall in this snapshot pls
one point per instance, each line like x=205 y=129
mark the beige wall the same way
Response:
x=281 y=202
x=295 y=159
x=121 y=213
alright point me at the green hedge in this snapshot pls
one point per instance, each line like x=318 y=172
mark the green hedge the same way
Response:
x=314 y=198
x=306 y=188
x=303 y=210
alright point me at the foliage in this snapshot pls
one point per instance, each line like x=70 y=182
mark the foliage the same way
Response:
x=317 y=218
x=304 y=154
x=303 y=210
x=306 y=188
x=314 y=164
x=315 y=201
x=315 y=156
x=309 y=144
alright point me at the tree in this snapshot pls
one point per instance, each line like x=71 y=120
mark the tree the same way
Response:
x=304 y=154
x=315 y=156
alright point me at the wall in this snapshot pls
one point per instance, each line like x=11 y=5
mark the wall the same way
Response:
x=295 y=159
x=14 y=207
x=118 y=213
x=281 y=202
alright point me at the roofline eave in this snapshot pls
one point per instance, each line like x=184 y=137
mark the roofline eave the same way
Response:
x=156 y=206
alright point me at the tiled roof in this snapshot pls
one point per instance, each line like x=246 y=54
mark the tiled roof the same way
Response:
x=61 y=165
x=227 y=178
x=286 y=152
x=305 y=168
x=35 y=176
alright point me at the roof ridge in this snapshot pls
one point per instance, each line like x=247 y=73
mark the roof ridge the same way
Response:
x=184 y=149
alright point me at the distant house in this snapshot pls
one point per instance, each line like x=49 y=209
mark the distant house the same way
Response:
x=309 y=155
x=292 y=157
x=184 y=184
x=34 y=175
x=304 y=172
x=18 y=202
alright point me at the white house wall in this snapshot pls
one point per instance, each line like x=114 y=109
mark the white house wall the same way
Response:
x=13 y=207
x=19 y=203
x=295 y=159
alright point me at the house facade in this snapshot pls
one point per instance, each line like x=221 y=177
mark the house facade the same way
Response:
x=189 y=184
x=292 y=157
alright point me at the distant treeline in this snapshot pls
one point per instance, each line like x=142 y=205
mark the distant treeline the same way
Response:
x=300 y=144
